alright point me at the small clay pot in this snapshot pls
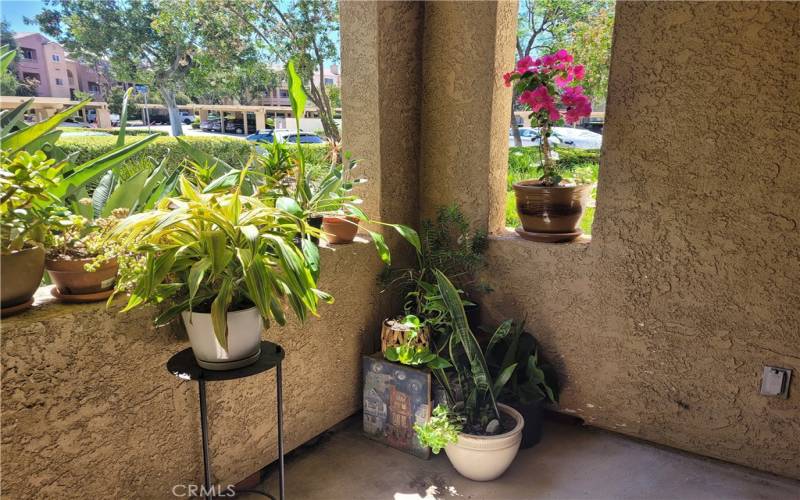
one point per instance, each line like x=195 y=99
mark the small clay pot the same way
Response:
x=550 y=209
x=340 y=229
x=22 y=272
x=72 y=279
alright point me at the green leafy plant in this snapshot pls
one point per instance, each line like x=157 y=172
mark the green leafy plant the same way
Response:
x=532 y=380
x=215 y=252
x=440 y=430
x=410 y=353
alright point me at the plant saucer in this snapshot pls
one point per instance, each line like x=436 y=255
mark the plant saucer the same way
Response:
x=548 y=237
x=5 y=312
x=79 y=298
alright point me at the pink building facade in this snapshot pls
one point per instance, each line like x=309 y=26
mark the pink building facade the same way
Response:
x=280 y=96
x=58 y=75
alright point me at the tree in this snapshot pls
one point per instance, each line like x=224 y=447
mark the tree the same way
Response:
x=147 y=41
x=582 y=26
x=300 y=29
x=243 y=83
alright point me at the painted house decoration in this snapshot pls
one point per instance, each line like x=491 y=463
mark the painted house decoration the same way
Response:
x=395 y=398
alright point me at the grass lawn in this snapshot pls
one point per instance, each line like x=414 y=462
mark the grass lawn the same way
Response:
x=523 y=163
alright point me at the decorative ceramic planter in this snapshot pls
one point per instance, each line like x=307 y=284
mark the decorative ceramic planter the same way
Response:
x=550 y=213
x=340 y=229
x=244 y=339
x=22 y=272
x=484 y=458
x=71 y=278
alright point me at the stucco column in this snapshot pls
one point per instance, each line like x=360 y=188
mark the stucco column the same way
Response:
x=465 y=108
x=261 y=121
x=381 y=80
x=103 y=117
x=203 y=115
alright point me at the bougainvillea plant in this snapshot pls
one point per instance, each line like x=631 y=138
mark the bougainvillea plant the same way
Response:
x=544 y=84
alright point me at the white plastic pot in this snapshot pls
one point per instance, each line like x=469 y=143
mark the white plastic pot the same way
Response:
x=244 y=339
x=484 y=458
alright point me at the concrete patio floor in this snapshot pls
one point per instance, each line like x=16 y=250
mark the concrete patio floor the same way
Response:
x=571 y=462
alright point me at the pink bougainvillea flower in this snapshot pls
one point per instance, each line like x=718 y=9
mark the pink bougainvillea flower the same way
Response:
x=540 y=99
x=562 y=81
x=562 y=54
x=507 y=78
x=578 y=105
x=579 y=72
x=524 y=64
x=548 y=60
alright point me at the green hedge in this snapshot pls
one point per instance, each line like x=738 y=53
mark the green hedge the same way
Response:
x=232 y=151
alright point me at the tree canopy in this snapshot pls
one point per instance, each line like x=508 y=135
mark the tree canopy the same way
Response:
x=156 y=42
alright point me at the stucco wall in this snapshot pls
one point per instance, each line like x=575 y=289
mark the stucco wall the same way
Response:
x=90 y=411
x=661 y=324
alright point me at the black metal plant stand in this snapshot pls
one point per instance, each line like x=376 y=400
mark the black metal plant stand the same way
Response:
x=184 y=366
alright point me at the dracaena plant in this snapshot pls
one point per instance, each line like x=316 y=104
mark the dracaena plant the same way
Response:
x=543 y=84
x=216 y=252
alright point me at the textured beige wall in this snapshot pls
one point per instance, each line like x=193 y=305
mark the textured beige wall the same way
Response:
x=464 y=106
x=90 y=411
x=691 y=283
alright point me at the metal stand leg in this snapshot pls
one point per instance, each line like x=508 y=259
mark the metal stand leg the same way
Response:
x=204 y=431
x=281 y=485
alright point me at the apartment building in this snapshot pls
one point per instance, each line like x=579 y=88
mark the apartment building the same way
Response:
x=280 y=96
x=58 y=75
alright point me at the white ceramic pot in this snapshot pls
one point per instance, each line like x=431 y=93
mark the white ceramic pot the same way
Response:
x=244 y=339
x=483 y=458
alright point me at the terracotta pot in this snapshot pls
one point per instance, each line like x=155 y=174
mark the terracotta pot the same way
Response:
x=484 y=458
x=72 y=279
x=550 y=209
x=22 y=272
x=340 y=229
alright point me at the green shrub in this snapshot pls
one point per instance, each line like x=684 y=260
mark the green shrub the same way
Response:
x=232 y=151
x=113 y=131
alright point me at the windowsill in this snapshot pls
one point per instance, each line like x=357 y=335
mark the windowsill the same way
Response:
x=508 y=234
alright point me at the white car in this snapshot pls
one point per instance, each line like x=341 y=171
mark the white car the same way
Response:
x=530 y=137
x=578 y=138
x=566 y=137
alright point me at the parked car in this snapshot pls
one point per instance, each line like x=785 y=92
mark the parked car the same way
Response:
x=114 y=120
x=530 y=137
x=186 y=117
x=566 y=137
x=285 y=135
x=578 y=138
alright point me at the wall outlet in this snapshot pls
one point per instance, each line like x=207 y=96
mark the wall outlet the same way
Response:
x=775 y=382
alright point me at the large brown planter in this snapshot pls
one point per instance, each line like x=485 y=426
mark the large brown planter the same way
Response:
x=340 y=229
x=553 y=211
x=22 y=272
x=71 y=278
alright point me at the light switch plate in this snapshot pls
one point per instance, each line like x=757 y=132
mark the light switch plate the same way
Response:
x=775 y=382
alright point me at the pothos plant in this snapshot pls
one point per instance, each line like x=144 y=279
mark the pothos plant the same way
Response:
x=542 y=85
x=410 y=353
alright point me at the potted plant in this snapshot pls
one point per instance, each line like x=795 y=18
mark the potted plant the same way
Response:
x=38 y=181
x=226 y=263
x=551 y=206
x=532 y=384
x=81 y=262
x=412 y=348
x=27 y=214
x=480 y=436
